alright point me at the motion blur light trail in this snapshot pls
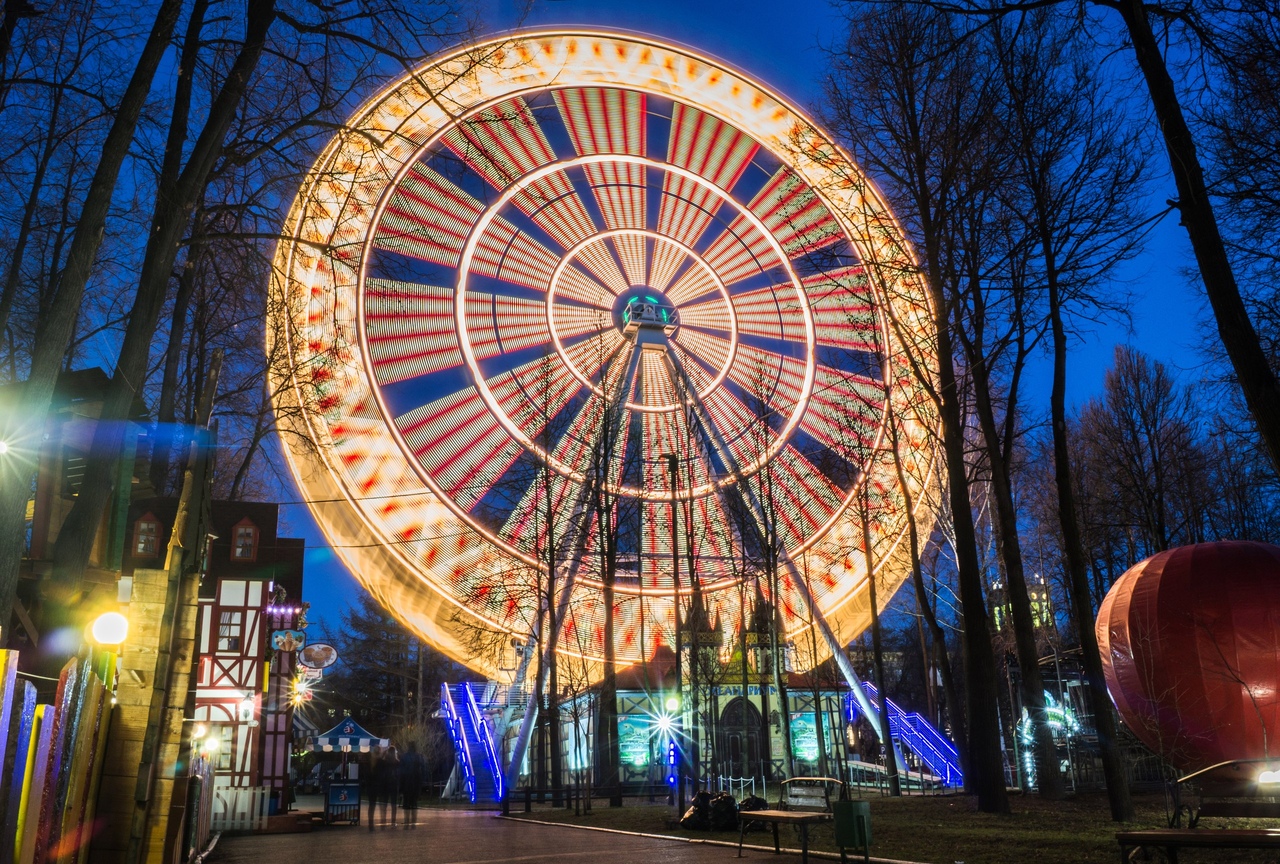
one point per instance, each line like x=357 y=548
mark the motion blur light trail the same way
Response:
x=457 y=308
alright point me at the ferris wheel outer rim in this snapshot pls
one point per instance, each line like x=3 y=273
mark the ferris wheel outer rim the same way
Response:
x=388 y=93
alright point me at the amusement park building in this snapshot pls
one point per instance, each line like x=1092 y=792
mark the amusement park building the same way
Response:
x=251 y=587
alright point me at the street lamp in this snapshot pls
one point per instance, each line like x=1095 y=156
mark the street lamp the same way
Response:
x=108 y=632
x=675 y=766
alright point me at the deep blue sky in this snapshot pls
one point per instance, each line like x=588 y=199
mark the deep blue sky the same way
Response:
x=778 y=42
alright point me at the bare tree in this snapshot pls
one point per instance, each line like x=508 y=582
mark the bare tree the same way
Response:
x=914 y=101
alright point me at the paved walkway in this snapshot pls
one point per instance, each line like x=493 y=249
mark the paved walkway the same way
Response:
x=462 y=837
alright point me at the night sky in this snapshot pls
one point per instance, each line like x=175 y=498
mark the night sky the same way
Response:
x=778 y=42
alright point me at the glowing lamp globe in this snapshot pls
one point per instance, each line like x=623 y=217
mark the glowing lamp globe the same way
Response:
x=110 y=628
x=1190 y=643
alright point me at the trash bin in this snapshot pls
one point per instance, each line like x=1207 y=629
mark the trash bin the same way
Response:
x=853 y=826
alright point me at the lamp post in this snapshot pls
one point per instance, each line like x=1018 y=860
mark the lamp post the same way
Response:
x=673 y=468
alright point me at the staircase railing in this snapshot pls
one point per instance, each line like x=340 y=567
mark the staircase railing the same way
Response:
x=486 y=741
x=921 y=738
x=459 y=737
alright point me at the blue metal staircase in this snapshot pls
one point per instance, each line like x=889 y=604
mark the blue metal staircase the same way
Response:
x=472 y=742
x=919 y=736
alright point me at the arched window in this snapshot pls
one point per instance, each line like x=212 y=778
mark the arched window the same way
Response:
x=244 y=541
x=146 y=537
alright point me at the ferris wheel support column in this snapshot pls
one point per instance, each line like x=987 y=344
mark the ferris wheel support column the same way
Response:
x=579 y=518
x=842 y=660
x=845 y=665
x=544 y=671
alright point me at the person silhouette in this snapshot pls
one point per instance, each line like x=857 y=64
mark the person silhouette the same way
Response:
x=411 y=771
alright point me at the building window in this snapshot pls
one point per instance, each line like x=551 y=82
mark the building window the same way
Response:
x=229 y=631
x=226 y=746
x=244 y=542
x=146 y=537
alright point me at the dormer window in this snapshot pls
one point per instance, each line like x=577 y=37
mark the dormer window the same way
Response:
x=146 y=537
x=244 y=542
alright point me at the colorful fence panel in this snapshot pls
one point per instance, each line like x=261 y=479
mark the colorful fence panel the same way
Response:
x=47 y=798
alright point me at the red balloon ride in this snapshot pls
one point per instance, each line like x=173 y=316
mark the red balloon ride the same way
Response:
x=1190 y=643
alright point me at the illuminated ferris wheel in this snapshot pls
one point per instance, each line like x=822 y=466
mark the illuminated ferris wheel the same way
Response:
x=568 y=293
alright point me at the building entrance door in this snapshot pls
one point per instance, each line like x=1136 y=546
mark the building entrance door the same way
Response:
x=740 y=726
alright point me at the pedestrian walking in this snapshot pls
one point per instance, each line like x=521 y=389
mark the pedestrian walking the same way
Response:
x=370 y=783
x=411 y=771
x=386 y=779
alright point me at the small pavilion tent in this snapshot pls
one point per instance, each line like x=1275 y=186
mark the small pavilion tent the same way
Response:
x=348 y=737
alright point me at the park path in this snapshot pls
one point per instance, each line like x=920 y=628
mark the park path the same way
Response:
x=466 y=837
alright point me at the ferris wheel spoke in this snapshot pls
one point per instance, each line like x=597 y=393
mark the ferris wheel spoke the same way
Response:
x=505 y=142
x=771 y=312
x=708 y=147
x=695 y=282
x=428 y=217
x=747 y=436
x=409 y=329
x=792 y=213
x=575 y=444
x=762 y=374
x=708 y=314
x=632 y=251
x=844 y=312
x=604 y=120
x=459 y=444
x=844 y=412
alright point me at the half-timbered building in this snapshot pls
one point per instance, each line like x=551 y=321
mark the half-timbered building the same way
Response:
x=251 y=586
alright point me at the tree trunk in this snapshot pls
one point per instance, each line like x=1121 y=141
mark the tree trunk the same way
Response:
x=166 y=407
x=939 y=638
x=877 y=653
x=14 y=275
x=985 y=769
x=22 y=429
x=11 y=12
x=174 y=205
x=1257 y=379
x=1048 y=774
x=1113 y=765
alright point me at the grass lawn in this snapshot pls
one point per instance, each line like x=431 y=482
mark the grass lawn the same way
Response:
x=943 y=830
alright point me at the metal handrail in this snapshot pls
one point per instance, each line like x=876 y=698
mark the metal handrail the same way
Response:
x=455 y=730
x=482 y=731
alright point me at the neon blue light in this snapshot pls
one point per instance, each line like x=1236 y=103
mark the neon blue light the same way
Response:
x=459 y=741
x=486 y=741
x=919 y=736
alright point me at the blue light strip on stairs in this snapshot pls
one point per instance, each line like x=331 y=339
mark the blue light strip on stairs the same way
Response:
x=920 y=737
x=486 y=740
x=459 y=741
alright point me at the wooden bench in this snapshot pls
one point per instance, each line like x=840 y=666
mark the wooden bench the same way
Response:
x=1228 y=790
x=798 y=818
x=802 y=801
